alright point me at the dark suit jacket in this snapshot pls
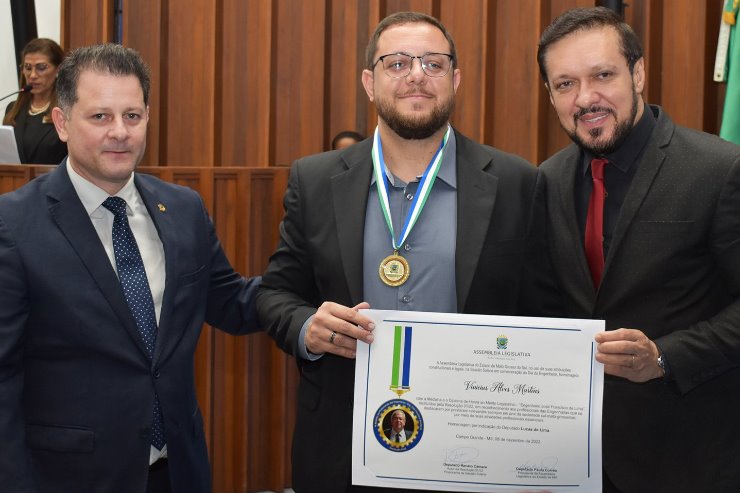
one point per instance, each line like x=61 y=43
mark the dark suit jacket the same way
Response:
x=389 y=431
x=319 y=258
x=673 y=271
x=76 y=385
x=46 y=148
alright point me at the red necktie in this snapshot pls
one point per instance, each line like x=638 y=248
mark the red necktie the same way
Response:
x=594 y=236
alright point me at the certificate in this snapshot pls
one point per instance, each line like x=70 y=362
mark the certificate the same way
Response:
x=453 y=402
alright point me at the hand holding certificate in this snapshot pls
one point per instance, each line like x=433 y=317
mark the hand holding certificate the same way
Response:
x=478 y=403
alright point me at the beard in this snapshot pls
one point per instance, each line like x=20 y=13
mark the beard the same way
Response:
x=621 y=130
x=415 y=127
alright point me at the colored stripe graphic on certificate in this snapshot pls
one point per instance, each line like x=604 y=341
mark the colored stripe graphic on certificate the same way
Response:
x=401 y=372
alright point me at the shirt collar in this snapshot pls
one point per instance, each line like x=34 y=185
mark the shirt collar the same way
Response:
x=627 y=154
x=92 y=196
x=446 y=171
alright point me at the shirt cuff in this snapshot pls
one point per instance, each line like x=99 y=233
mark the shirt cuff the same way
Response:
x=302 y=350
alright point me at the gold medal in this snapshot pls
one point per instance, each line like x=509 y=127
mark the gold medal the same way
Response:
x=394 y=270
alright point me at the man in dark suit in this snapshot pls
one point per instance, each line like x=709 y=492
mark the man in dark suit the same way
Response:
x=644 y=228
x=106 y=277
x=398 y=432
x=474 y=248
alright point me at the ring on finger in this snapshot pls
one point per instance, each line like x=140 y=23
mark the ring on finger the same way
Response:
x=334 y=335
x=633 y=361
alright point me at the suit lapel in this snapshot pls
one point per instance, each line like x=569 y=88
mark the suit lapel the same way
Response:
x=476 y=196
x=163 y=221
x=573 y=257
x=648 y=167
x=68 y=212
x=349 y=191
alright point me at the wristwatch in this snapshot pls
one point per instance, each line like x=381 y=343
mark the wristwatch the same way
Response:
x=662 y=363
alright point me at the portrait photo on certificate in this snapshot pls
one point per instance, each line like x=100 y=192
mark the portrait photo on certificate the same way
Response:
x=452 y=402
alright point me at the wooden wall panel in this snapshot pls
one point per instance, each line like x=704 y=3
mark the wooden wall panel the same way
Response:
x=683 y=32
x=191 y=83
x=430 y=7
x=86 y=22
x=244 y=78
x=347 y=39
x=517 y=90
x=466 y=20
x=13 y=177
x=264 y=82
x=143 y=30
x=300 y=79
x=646 y=18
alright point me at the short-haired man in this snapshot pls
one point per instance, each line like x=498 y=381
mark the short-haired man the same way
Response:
x=106 y=277
x=397 y=432
x=644 y=228
x=472 y=249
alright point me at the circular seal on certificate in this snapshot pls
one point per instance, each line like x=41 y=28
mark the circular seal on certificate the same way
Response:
x=398 y=425
x=394 y=270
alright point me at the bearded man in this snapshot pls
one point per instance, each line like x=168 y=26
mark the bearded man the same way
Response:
x=645 y=233
x=477 y=246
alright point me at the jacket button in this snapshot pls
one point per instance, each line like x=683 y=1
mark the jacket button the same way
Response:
x=156 y=373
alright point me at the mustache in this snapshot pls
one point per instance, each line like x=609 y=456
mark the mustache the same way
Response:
x=416 y=92
x=592 y=109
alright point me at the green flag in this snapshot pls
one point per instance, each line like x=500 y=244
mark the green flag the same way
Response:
x=731 y=113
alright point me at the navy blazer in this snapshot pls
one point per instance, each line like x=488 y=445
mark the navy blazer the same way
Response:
x=672 y=271
x=76 y=385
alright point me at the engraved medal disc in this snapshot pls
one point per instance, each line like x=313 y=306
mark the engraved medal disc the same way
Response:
x=394 y=270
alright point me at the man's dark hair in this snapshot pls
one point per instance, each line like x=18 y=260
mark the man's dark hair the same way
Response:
x=107 y=58
x=583 y=20
x=344 y=134
x=398 y=19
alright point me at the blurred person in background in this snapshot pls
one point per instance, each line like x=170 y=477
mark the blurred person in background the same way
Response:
x=345 y=138
x=30 y=113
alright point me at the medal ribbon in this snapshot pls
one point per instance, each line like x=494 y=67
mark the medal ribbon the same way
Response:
x=425 y=188
x=401 y=366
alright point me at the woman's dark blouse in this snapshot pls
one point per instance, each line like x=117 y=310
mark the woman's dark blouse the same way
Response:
x=38 y=142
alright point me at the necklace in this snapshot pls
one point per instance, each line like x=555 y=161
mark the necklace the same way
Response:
x=33 y=111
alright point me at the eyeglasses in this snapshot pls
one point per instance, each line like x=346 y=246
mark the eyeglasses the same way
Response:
x=40 y=67
x=398 y=65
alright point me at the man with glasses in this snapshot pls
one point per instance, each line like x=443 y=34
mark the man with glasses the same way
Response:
x=349 y=241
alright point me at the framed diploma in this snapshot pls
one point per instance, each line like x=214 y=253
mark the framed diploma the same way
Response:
x=452 y=402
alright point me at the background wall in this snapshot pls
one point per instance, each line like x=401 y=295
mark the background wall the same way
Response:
x=241 y=88
x=263 y=82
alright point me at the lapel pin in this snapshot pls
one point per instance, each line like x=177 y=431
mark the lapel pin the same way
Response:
x=162 y=208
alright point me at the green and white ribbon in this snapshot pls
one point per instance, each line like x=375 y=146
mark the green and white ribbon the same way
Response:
x=425 y=188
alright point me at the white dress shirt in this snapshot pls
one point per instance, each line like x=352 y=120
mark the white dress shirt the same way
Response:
x=145 y=233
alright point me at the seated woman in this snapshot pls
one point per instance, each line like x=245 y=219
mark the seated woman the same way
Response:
x=30 y=114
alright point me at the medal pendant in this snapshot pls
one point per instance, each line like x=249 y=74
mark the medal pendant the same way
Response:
x=394 y=270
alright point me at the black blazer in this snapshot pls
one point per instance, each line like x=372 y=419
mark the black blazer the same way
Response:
x=673 y=271
x=76 y=384
x=500 y=266
x=46 y=147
